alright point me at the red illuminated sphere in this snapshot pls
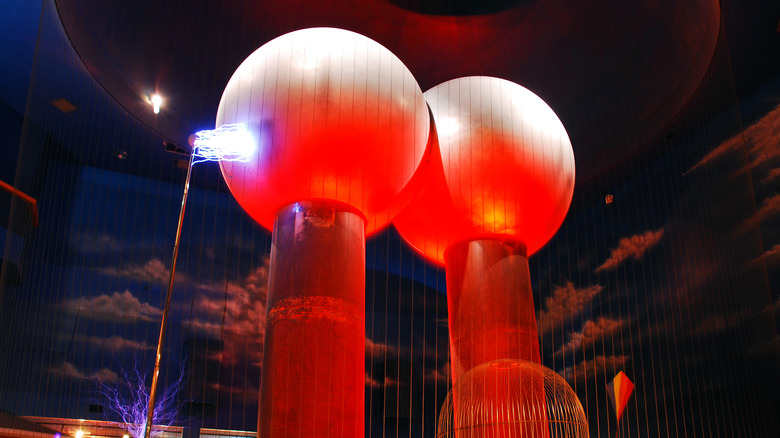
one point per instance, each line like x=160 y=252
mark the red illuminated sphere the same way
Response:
x=504 y=168
x=334 y=116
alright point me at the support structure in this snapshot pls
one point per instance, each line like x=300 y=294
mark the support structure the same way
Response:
x=490 y=304
x=166 y=307
x=491 y=317
x=314 y=349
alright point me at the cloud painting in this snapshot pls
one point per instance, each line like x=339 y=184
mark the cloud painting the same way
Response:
x=565 y=303
x=628 y=247
x=600 y=330
x=67 y=369
x=118 y=304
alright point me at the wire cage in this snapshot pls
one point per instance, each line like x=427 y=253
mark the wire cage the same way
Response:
x=511 y=398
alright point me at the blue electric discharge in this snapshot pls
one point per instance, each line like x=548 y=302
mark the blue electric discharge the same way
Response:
x=227 y=143
x=131 y=404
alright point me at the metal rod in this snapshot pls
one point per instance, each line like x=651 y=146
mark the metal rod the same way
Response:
x=164 y=322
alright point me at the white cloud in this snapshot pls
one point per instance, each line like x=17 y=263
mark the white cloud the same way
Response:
x=67 y=369
x=378 y=349
x=118 y=304
x=115 y=343
x=770 y=256
x=106 y=376
x=769 y=208
x=98 y=244
x=375 y=383
x=761 y=141
x=591 y=333
x=599 y=366
x=634 y=246
x=565 y=303
x=772 y=308
x=770 y=176
x=153 y=270
x=243 y=306
x=721 y=151
x=371 y=382
x=440 y=375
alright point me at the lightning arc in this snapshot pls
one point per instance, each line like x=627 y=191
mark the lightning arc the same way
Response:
x=231 y=142
x=133 y=407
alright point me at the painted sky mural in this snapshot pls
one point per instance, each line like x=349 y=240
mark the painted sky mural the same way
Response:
x=671 y=297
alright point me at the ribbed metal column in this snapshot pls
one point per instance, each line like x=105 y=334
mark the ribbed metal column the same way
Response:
x=491 y=307
x=313 y=366
x=491 y=317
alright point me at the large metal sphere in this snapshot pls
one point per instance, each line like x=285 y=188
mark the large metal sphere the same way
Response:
x=505 y=169
x=334 y=116
x=512 y=398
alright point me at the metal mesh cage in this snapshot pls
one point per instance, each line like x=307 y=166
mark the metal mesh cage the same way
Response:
x=511 y=398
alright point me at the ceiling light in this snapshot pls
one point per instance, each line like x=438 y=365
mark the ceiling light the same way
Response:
x=156 y=101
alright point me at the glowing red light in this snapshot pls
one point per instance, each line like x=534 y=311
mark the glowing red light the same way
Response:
x=335 y=116
x=340 y=127
x=503 y=168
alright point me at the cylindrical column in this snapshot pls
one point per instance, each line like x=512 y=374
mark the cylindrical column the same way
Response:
x=313 y=358
x=491 y=317
x=490 y=303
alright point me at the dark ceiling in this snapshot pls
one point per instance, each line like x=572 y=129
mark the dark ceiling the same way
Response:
x=633 y=65
x=615 y=72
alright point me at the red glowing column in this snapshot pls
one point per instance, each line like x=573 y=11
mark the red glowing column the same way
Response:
x=491 y=312
x=497 y=188
x=341 y=127
x=314 y=368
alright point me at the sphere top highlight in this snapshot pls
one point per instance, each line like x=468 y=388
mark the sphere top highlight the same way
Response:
x=503 y=168
x=334 y=116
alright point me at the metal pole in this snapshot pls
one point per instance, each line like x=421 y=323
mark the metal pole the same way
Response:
x=164 y=322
